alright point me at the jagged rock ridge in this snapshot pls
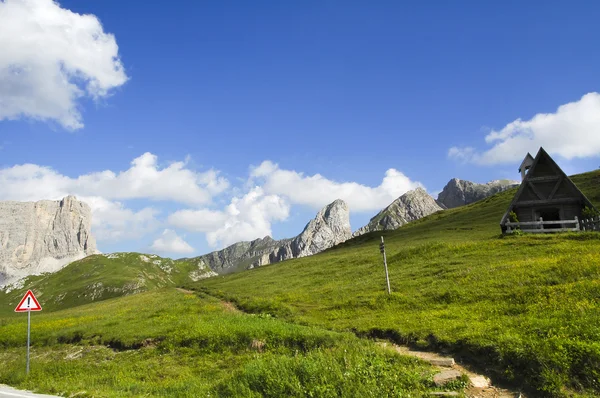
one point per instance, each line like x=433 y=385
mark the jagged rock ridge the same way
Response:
x=460 y=192
x=330 y=227
x=44 y=236
x=411 y=206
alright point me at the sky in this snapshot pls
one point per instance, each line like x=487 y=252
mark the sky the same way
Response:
x=188 y=126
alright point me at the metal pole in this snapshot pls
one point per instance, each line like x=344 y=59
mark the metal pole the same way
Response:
x=28 y=329
x=387 y=278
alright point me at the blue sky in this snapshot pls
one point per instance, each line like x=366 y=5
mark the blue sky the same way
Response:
x=342 y=90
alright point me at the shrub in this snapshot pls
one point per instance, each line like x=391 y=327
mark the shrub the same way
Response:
x=589 y=213
x=512 y=217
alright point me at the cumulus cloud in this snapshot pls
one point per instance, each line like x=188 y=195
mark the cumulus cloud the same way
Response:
x=245 y=218
x=573 y=131
x=170 y=242
x=50 y=58
x=112 y=221
x=144 y=179
x=317 y=191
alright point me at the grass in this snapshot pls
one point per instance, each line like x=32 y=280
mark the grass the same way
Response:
x=522 y=307
x=168 y=343
x=100 y=277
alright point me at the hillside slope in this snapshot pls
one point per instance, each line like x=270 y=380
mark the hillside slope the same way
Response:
x=171 y=343
x=100 y=277
x=523 y=307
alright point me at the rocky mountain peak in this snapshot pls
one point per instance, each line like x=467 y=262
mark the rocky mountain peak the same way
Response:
x=43 y=236
x=330 y=227
x=411 y=206
x=459 y=192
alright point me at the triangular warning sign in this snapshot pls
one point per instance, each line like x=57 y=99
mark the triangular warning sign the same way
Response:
x=28 y=303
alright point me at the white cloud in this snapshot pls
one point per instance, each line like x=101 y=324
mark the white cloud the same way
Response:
x=202 y=220
x=144 y=179
x=245 y=218
x=463 y=155
x=112 y=221
x=573 y=131
x=50 y=58
x=317 y=191
x=170 y=242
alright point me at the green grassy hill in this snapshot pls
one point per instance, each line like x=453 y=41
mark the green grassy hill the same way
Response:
x=174 y=344
x=100 y=277
x=523 y=307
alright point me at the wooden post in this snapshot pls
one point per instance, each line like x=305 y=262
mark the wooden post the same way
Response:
x=577 y=224
x=541 y=223
x=387 y=278
x=508 y=230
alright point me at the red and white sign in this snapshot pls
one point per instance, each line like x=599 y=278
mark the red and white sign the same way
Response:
x=29 y=303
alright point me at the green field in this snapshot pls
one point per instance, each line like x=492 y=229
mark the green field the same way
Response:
x=100 y=277
x=523 y=309
x=170 y=343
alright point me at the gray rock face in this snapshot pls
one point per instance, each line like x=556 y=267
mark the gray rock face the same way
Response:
x=411 y=206
x=330 y=227
x=44 y=236
x=460 y=192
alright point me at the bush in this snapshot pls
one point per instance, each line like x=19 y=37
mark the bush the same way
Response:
x=589 y=213
x=512 y=217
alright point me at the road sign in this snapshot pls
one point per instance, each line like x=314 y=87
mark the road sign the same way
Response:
x=28 y=303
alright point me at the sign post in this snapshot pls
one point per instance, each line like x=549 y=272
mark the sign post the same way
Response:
x=28 y=303
x=387 y=278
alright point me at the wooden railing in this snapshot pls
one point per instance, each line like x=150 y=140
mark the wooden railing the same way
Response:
x=590 y=224
x=538 y=226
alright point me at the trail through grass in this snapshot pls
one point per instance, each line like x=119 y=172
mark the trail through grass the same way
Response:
x=525 y=308
x=171 y=343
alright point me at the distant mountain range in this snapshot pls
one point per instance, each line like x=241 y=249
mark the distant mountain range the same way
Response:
x=330 y=227
x=39 y=237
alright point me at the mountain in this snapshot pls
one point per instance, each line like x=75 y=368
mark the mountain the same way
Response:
x=330 y=227
x=411 y=206
x=44 y=236
x=460 y=192
x=103 y=276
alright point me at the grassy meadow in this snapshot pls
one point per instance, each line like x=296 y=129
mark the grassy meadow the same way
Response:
x=172 y=343
x=522 y=308
x=100 y=277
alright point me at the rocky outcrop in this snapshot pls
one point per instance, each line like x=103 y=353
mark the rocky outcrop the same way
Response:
x=44 y=236
x=330 y=227
x=408 y=207
x=460 y=192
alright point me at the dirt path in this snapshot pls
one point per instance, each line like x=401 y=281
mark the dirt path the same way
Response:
x=480 y=386
x=227 y=306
